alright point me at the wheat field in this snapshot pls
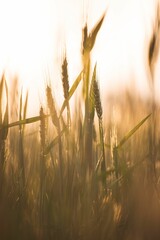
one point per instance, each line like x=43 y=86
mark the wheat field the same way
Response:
x=87 y=175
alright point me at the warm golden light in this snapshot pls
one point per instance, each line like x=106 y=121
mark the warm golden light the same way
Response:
x=34 y=34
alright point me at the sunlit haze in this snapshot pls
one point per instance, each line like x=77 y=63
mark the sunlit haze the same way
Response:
x=34 y=34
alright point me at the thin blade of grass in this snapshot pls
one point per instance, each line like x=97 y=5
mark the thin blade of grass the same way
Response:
x=24 y=121
x=132 y=132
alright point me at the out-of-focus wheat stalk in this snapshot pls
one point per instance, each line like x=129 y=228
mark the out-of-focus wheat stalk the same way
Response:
x=3 y=131
x=152 y=59
x=56 y=122
x=113 y=140
x=154 y=44
x=22 y=115
x=42 y=164
x=52 y=108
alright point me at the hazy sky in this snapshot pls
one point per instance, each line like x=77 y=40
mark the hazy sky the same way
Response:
x=34 y=34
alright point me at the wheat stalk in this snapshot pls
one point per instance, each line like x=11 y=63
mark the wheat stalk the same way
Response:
x=3 y=131
x=22 y=115
x=65 y=83
x=97 y=99
x=56 y=122
x=88 y=41
x=88 y=136
x=99 y=111
x=52 y=108
x=65 y=80
x=42 y=163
